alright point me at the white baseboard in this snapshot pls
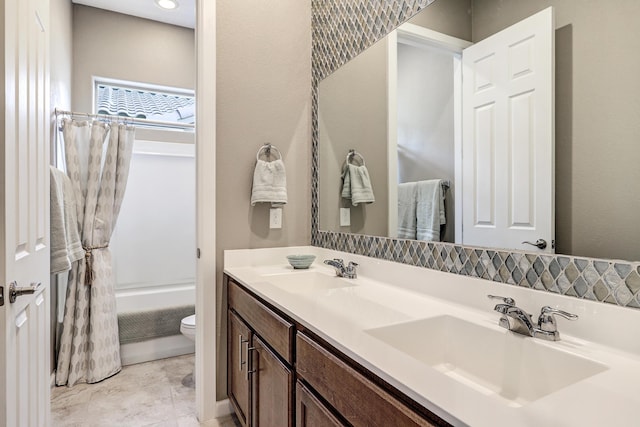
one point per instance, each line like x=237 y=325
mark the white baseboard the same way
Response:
x=223 y=408
x=158 y=348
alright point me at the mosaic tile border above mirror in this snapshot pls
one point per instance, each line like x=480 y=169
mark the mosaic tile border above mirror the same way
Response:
x=341 y=30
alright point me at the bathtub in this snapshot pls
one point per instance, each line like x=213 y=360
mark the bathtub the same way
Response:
x=155 y=298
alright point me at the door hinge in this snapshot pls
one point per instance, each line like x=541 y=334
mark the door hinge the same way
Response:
x=198 y=253
x=1 y=296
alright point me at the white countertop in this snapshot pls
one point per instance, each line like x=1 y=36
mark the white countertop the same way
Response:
x=388 y=293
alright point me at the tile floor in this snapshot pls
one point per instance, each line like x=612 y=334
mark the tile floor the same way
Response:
x=144 y=395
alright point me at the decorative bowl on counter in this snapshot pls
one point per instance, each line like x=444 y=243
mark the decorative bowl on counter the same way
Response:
x=301 y=261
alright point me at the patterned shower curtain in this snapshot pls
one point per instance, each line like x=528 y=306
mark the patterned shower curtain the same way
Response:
x=89 y=346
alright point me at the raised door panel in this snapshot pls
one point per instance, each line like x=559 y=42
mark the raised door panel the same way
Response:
x=272 y=395
x=239 y=338
x=310 y=412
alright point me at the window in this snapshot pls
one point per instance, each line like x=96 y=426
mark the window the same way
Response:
x=174 y=107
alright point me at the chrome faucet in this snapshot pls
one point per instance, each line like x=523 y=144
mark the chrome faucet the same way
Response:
x=517 y=320
x=348 y=271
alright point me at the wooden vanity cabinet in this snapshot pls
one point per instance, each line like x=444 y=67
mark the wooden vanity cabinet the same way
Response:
x=325 y=389
x=259 y=375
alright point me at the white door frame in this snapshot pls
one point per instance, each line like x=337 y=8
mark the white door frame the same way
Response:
x=207 y=403
x=416 y=35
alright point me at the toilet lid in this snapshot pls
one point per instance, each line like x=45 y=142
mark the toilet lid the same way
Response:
x=189 y=321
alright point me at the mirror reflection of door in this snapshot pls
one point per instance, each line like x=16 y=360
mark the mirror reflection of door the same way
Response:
x=508 y=137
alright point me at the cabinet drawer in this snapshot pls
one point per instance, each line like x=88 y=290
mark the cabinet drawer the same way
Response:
x=360 y=401
x=271 y=327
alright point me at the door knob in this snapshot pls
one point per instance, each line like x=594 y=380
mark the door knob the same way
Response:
x=540 y=243
x=15 y=291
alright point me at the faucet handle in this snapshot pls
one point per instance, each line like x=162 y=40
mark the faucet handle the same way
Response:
x=506 y=300
x=550 y=310
x=352 y=264
x=547 y=320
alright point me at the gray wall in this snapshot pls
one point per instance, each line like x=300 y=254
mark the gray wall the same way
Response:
x=352 y=105
x=112 y=45
x=597 y=126
x=263 y=95
x=451 y=17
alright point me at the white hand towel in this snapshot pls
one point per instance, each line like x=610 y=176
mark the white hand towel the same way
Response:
x=356 y=185
x=269 y=183
x=66 y=247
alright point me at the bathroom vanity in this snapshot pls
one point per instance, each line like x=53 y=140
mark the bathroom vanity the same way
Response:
x=263 y=368
x=414 y=347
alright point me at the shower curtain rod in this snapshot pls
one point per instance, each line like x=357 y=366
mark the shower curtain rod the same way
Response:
x=132 y=120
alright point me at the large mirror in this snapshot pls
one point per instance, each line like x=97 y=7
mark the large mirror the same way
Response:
x=597 y=123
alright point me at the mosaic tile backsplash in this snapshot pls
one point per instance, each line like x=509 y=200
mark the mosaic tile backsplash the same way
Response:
x=341 y=30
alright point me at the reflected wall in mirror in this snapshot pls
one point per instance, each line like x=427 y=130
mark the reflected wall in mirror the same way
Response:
x=597 y=122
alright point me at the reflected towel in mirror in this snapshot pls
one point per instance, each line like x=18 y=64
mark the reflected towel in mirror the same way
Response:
x=430 y=210
x=421 y=210
x=356 y=184
x=407 y=201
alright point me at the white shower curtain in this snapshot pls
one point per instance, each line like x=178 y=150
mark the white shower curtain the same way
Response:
x=89 y=346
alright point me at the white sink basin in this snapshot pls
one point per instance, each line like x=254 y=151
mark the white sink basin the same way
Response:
x=515 y=369
x=307 y=282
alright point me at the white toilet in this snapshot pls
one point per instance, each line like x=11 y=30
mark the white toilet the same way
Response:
x=188 y=327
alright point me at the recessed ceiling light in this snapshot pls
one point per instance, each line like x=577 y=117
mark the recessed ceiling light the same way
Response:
x=167 y=4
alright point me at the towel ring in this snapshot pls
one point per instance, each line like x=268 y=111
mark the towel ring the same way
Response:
x=352 y=154
x=267 y=149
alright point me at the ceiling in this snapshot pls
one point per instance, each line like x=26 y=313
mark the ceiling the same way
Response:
x=184 y=15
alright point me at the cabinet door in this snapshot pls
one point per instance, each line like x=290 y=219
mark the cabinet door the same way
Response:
x=310 y=412
x=238 y=341
x=272 y=388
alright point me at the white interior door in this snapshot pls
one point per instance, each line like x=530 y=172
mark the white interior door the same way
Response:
x=24 y=323
x=508 y=136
